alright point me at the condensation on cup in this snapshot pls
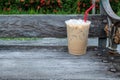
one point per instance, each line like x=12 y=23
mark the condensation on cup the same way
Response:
x=77 y=33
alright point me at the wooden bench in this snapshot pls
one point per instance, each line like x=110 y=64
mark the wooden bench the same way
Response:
x=53 y=25
x=46 y=64
x=42 y=26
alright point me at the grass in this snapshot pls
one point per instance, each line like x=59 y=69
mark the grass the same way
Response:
x=32 y=11
x=118 y=13
x=20 y=39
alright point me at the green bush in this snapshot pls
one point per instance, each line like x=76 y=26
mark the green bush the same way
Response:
x=50 y=6
x=116 y=6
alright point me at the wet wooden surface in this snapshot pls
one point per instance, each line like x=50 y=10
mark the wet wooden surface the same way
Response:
x=53 y=64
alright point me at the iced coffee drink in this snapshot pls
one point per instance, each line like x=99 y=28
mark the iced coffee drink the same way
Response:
x=77 y=33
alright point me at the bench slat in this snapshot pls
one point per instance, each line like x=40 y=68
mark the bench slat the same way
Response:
x=45 y=25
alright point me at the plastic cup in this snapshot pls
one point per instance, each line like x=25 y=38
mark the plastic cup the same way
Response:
x=77 y=33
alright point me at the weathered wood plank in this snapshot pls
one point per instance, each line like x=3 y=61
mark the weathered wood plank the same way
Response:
x=45 y=25
x=57 y=44
x=48 y=64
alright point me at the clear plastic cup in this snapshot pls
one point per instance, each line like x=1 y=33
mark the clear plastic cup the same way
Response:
x=77 y=33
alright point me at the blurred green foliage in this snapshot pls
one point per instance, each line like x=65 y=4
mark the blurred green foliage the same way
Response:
x=50 y=6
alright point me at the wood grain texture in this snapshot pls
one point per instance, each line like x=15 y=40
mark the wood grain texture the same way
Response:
x=46 y=25
x=49 y=64
x=59 y=44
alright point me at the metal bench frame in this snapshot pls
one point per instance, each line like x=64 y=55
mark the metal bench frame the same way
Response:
x=113 y=21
